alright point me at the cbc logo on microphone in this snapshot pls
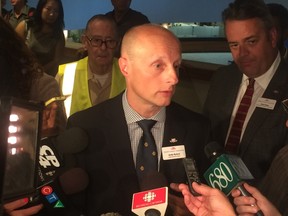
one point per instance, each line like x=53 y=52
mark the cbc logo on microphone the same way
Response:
x=47 y=157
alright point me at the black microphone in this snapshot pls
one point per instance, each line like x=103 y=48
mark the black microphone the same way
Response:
x=227 y=171
x=56 y=153
x=57 y=175
x=53 y=194
x=153 y=198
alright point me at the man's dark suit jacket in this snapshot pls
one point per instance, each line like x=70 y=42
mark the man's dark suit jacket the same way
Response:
x=265 y=133
x=108 y=158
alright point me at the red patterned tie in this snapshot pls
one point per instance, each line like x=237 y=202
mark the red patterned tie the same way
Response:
x=236 y=129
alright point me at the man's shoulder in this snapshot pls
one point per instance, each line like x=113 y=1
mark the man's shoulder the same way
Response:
x=184 y=114
x=138 y=15
x=99 y=111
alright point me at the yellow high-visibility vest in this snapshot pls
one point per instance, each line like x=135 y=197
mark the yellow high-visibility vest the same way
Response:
x=73 y=80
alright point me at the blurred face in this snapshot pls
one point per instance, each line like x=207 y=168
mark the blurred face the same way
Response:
x=121 y=5
x=99 y=41
x=16 y=2
x=3 y=3
x=252 y=47
x=151 y=71
x=50 y=12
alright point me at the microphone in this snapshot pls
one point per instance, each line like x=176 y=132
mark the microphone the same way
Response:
x=227 y=172
x=56 y=175
x=56 y=153
x=53 y=195
x=153 y=199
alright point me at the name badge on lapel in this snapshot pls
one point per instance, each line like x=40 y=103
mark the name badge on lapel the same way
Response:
x=173 y=152
x=266 y=103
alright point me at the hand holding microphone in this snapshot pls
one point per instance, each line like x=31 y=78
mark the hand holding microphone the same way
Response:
x=246 y=205
x=227 y=172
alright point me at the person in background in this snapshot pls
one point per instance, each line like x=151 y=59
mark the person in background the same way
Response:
x=20 y=12
x=280 y=17
x=22 y=77
x=97 y=77
x=274 y=185
x=252 y=39
x=125 y=17
x=150 y=61
x=4 y=12
x=213 y=202
x=43 y=34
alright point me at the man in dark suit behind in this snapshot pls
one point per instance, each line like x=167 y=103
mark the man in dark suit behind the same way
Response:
x=150 y=60
x=253 y=43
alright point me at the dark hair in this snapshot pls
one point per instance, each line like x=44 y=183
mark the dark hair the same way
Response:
x=280 y=14
x=103 y=17
x=248 y=9
x=59 y=23
x=18 y=66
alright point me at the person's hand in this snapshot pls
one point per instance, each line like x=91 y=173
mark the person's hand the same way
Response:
x=246 y=205
x=49 y=119
x=10 y=208
x=177 y=203
x=212 y=202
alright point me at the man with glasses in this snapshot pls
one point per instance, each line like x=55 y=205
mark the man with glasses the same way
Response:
x=96 y=77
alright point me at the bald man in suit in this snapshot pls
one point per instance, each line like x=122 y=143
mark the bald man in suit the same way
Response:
x=150 y=60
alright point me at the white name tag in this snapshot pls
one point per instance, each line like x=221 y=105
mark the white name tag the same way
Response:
x=265 y=103
x=173 y=152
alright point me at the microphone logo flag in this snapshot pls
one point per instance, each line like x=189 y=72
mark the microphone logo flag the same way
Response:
x=226 y=172
x=150 y=199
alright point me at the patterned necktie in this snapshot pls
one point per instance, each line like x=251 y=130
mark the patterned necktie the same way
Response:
x=236 y=129
x=146 y=159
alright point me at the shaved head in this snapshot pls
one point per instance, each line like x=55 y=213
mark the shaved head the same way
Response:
x=150 y=61
x=136 y=38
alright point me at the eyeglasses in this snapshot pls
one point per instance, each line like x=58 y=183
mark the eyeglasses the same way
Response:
x=97 y=42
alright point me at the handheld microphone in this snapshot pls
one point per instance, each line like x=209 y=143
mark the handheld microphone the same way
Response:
x=56 y=177
x=191 y=173
x=153 y=200
x=56 y=152
x=227 y=172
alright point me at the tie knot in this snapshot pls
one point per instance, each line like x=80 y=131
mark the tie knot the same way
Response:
x=251 y=82
x=146 y=124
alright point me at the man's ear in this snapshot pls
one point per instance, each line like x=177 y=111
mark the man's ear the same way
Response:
x=84 y=42
x=123 y=65
x=274 y=37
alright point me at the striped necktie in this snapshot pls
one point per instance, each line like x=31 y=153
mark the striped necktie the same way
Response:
x=236 y=129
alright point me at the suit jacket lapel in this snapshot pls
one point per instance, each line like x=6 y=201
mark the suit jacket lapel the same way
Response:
x=119 y=143
x=275 y=91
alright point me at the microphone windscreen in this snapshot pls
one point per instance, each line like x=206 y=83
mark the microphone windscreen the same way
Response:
x=74 y=181
x=153 y=180
x=213 y=150
x=72 y=140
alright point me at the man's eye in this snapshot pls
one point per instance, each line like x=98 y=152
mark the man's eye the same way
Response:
x=233 y=45
x=95 y=40
x=157 y=65
x=252 y=41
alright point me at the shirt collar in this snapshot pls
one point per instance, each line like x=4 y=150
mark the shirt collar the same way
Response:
x=132 y=116
x=265 y=78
